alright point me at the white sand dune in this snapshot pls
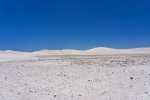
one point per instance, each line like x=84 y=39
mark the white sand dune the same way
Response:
x=94 y=51
x=10 y=55
x=17 y=55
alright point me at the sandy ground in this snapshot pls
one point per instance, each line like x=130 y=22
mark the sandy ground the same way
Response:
x=120 y=77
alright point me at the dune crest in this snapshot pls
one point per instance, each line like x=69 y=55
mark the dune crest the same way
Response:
x=93 y=51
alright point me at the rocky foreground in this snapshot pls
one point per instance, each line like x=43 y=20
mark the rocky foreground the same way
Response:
x=118 y=77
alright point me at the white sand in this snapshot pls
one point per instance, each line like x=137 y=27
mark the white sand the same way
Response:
x=94 y=51
x=16 y=55
x=39 y=76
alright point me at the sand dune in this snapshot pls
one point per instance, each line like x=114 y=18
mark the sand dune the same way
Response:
x=15 y=55
x=94 y=51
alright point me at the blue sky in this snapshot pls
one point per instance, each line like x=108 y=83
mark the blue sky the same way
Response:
x=30 y=25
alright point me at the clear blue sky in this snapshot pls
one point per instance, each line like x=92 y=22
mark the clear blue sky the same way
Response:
x=29 y=25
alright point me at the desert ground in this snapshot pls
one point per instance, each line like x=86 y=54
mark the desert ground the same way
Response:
x=75 y=77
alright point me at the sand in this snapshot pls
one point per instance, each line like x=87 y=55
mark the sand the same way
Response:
x=69 y=75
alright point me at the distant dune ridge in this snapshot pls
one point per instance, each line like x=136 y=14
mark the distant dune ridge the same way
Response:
x=94 y=51
x=18 y=55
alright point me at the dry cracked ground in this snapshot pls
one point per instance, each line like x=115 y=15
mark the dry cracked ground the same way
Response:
x=118 y=77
